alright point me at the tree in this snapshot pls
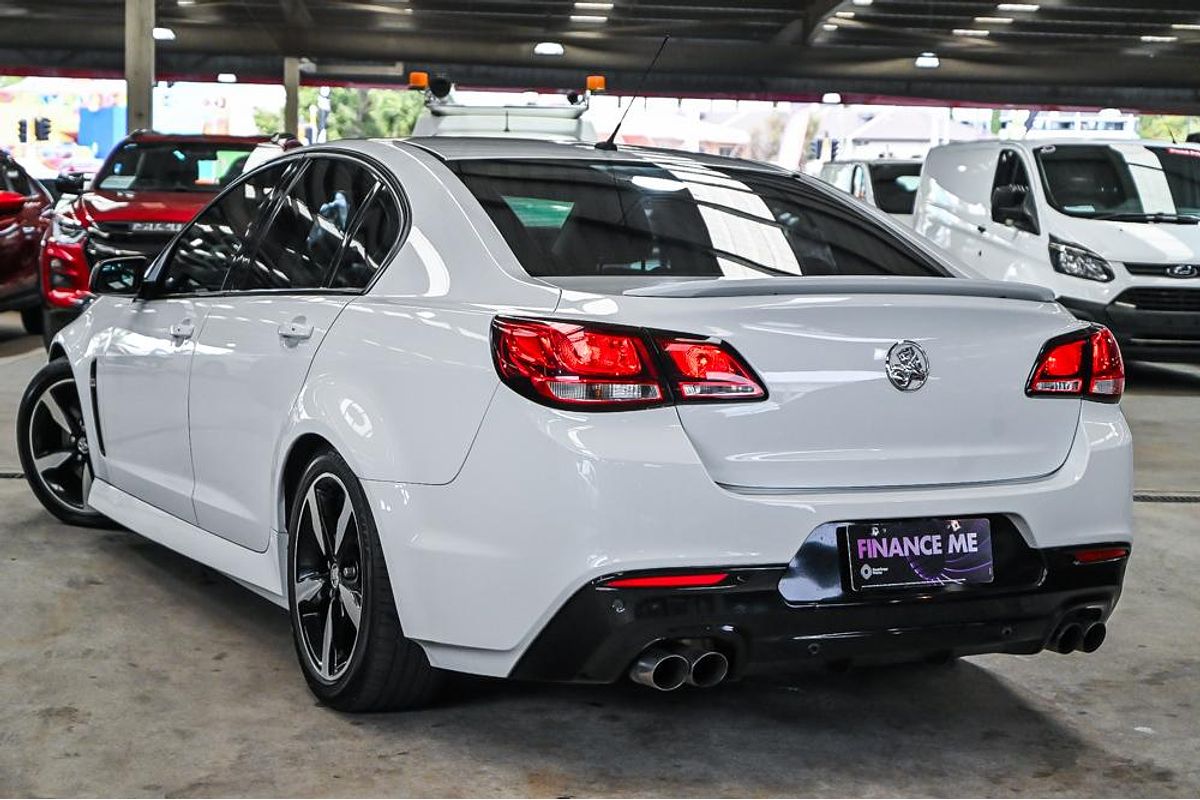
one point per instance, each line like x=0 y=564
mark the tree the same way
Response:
x=1166 y=128
x=354 y=112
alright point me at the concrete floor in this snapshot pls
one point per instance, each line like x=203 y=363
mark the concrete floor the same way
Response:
x=128 y=670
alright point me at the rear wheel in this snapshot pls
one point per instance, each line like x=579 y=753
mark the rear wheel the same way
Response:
x=32 y=320
x=54 y=448
x=347 y=633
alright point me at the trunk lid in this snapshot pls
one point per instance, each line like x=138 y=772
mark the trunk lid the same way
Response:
x=833 y=418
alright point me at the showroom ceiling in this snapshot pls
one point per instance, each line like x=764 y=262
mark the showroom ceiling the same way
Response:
x=1118 y=52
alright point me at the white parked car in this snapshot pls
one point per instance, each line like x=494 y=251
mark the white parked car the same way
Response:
x=1112 y=228
x=889 y=185
x=525 y=409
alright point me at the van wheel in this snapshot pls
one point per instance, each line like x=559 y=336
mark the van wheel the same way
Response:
x=53 y=446
x=344 y=622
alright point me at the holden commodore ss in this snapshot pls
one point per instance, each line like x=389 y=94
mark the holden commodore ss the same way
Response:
x=551 y=412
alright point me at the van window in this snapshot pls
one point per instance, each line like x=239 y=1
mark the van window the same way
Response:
x=895 y=186
x=1128 y=182
x=1010 y=171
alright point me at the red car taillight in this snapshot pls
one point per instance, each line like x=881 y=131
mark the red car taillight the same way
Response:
x=1084 y=364
x=604 y=367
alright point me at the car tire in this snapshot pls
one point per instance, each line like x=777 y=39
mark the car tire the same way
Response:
x=33 y=320
x=370 y=666
x=53 y=446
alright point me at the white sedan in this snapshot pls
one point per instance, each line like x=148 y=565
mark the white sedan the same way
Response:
x=546 y=411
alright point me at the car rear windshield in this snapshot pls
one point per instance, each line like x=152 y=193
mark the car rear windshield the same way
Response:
x=1120 y=180
x=173 y=166
x=895 y=186
x=679 y=218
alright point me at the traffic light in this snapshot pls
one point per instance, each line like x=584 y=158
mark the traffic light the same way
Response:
x=23 y=131
x=833 y=149
x=41 y=129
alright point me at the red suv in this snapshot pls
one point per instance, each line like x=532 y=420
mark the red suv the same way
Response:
x=23 y=202
x=150 y=186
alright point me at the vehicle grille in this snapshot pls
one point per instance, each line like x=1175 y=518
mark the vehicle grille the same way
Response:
x=1148 y=299
x=1163 y=270
x=112 y=239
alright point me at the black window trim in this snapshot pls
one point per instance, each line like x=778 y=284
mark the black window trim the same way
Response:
x=383 y=177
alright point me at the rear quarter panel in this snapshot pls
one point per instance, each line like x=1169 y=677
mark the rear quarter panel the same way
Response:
x=405 y=375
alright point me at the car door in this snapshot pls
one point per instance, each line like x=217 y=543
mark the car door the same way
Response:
x=258 y=341
x=142 y=374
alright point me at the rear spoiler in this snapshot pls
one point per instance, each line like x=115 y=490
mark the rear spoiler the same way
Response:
x=856 y=284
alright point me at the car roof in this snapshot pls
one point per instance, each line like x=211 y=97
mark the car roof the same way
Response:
x=464 y=148
x=155 y=136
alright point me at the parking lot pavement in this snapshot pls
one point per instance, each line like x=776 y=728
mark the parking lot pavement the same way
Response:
x=129 y=670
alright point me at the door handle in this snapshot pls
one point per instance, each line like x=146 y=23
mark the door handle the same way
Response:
x=182 y=331
x=295 y=331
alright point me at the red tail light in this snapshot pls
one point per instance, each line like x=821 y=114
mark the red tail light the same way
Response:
x=1085 y=364
x=605 y=367
x=567 y=364
x=705 y=370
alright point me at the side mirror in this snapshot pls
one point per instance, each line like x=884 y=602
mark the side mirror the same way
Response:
x=11 y=203
x=118 y=275
x=70 y=183
x=1010 y=206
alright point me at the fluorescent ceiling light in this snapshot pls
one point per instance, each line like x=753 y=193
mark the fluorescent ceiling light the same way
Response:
x=548 y=49
x=588 y=18
x=845 y=14
x=1149 y=38
x=226 y=77
x=163 y=34
x=1186 y=26
x=975 y=32
x=928 y=60
x=863 y=2
x=593 y=6
x=994 y=20
x=831 y=99
x=1018 y=7
x=829 y=26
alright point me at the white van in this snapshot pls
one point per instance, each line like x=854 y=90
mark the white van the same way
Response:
x=889 y=185
x=1112 y=227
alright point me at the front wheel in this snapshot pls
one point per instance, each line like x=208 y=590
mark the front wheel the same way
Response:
x=344 y=622
x=53 y=445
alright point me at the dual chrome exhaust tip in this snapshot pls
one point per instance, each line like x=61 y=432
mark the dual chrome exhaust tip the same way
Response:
x=667 y=667
x=1084 y=637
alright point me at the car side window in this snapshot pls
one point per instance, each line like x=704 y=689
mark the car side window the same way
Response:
x=208 y=247
x=371 y=242
x=304 y=240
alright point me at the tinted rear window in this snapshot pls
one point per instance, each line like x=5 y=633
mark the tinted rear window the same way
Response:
x=677 y=218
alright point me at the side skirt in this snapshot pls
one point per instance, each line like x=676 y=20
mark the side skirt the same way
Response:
x=259 y=572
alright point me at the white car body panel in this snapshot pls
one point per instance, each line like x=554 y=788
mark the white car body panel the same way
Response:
x=493 y=510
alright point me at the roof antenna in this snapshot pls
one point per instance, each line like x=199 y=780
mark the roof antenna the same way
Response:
x=611 y=142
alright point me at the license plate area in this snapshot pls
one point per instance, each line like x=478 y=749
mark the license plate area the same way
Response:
x=919 y=553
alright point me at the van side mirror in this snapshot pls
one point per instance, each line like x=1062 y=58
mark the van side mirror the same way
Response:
x=70 y=183
x=121 y=275
x=1010 y=206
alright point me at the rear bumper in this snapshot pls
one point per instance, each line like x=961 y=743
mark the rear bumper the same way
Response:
x=1145 y=335
x=601 y=630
